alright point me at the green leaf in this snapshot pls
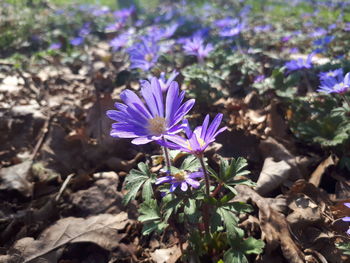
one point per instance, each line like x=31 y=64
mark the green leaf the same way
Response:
x=230 y=222
x=150 y=216
x=137 y=179
x=191 y=211
x=191 y=164
x=252 y=246
x=233 y=256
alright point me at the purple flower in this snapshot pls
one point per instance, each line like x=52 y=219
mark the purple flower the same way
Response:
x=226 y=22
x=144 y=55
x=198 y=140
x=262 y=28
x=85 y=30
x=347 y=218
x=119 y=41
x=163 y=33
x=259 y=78
x=195 y=46
x=300 y=63
x=55 y=46
x=182 y=179
x=347 y=26
x=318 y=32
x=153 y=121
x=124 y=13
x=164 y=84
x=113 y=27
x=77 y=41
x=334 y=82
x=232 y=31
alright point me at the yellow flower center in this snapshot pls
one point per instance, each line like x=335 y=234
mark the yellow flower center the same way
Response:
x=331 y=74
x=200 y=141
x=180 y=176
x=148 y=57
x=157 y=125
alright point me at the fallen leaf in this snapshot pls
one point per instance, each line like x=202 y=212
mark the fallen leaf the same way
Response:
x=166 y=255
x=273 y=225
x=16 y=177
x=101 y=230
x=316 y=176
x=272 y=175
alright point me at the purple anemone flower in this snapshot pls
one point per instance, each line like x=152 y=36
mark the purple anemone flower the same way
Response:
x=144 y=55
x=182 y=179
x=119 y=41
x=195 y=46
x=55 y=46
x=163 y=33
x=77 y=41
x=164 y=84
x=198 y=140
x=300 y=63
x=334 y=82
x=226 y=22
x=347 y=218
x=153 y=121
x=232 y=31
x=124 y=13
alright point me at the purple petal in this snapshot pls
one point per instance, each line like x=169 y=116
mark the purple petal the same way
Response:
x=193 y=183
x=141 y=140
x=196 y=174
x=164 y=179
x=346 y=219
x=184 y=186
x=347 y=204
x=173 y=187
x=204 y=126
x=213 y=126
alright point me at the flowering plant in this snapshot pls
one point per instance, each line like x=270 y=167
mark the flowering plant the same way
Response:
x=190 y=197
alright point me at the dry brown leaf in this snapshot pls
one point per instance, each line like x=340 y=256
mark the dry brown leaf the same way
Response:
x=16 y=178
x=100 y=229
x=273 y=226
x=272 y=175
x=166 y=255
x=316 y=176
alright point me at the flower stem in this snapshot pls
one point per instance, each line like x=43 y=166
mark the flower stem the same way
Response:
x=167 y=157
x=207 y=190
x=206 y=176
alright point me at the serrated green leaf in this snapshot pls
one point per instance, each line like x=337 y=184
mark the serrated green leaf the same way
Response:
x=230 y=222
x=132 y=193
x=232 y=256
x=191 y=164
x=147 y=191
x=252 y=246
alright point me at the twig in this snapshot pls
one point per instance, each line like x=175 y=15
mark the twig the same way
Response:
x=63 y=187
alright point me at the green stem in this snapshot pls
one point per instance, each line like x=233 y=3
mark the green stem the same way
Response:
x=167 y=157
x=206 y=176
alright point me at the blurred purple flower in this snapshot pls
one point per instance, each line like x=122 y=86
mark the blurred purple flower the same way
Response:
x=182 y=179
x=262 y=28
x=55 y=46
x=259 y=78
x=77 y=41
x=232 y=31
x=226 y=22
x=196 y=47
x=300 y=63
x=154 y=121
x=144 y=55
x=124 y=13
x=119 y=41
x=113 y=27
x=334 y=82
x=163 y=33
x=85 y=30
x=318 y=32
x=198 y=140
x=323 y=41
x=347 y=218
x=164 y=84
x=347 y=26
